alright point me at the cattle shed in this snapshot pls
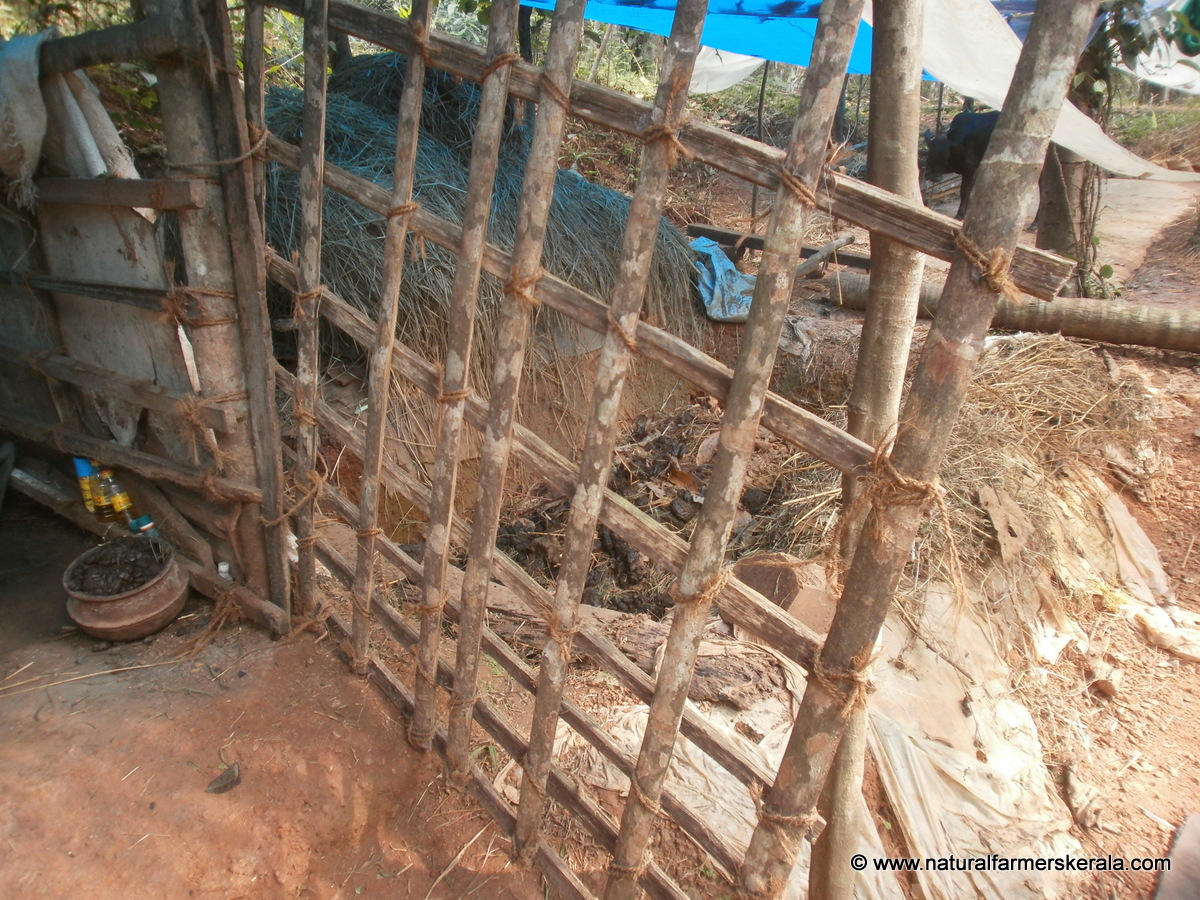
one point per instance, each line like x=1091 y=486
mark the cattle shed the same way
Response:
x=135 y=330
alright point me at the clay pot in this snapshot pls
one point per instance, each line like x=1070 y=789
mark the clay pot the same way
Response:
x=135 y=613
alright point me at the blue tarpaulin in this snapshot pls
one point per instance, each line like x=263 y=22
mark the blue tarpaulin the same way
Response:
x=781 y=31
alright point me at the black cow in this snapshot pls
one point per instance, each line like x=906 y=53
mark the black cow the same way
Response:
x=960 y=150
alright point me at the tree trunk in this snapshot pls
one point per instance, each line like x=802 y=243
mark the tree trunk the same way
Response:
x=1058 y=217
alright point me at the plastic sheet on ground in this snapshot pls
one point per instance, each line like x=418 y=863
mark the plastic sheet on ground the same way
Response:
x=22 y=116
x=726 y=292
x=959 y=761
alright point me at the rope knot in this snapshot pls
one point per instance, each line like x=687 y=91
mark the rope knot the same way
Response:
x=993 y=267
x=851 y=686
x=522 y=289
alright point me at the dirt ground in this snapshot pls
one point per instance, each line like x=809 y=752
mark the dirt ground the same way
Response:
x=106 y=751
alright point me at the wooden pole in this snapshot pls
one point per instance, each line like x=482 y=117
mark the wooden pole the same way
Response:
x=641 y=234
x=263 y=531
x=512 y=337
x=893 y=132
x=379 y=363
x=307 y=299
x=703 y=571
x=254 y=64
x=994 y=224
x=485 y=150
x=1095 y=320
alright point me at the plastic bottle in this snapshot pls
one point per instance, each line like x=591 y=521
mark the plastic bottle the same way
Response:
x=109 y=494
x=86 y=473
x=102 y=501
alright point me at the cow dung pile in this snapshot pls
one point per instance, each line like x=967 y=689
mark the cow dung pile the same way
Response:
x=583 y=238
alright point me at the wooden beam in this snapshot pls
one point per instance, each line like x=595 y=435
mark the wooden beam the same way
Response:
x=153 y=467
x=144 y=297
x=220 y=417
x=164 y=35
x=149 y=193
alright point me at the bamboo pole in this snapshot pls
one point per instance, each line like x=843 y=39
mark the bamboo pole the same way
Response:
x=703 y=570
x=307 y=298
x=976 y=279
x=485 y=150
x=512 y=337
x=379 y=363
x=244 y=233
x=110 y=453
x=219 y=416
x=1035 y=272
x=641 y=235
x=254 y=65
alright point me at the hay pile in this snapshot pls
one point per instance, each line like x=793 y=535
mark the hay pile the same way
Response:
x=582 y=240
x=1038 y=408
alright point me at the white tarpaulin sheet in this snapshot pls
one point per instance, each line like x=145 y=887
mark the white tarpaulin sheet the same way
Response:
x=968 y=46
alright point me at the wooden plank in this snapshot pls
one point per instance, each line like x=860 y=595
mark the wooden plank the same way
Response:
x=147 y=464
x=220 y=416
x=262 y=534
x=149 y=193
x=1034 y=271
x=161 y=35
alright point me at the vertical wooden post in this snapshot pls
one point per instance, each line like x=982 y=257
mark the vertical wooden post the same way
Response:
x=703 y=570
x=203 y=120
x=307 y=301
x=512 y=336
x=641 y=234
x=977 y=276
x=485 y=149
x=379 y=365
x=254 y=75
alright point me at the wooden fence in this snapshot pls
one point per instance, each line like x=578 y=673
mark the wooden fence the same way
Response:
x=241 y=147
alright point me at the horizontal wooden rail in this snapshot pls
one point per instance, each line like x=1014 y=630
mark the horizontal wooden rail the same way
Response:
x=1034 y=271
x=146 y=298
x=148 y=193
x=221 y=417
x=156 y=468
